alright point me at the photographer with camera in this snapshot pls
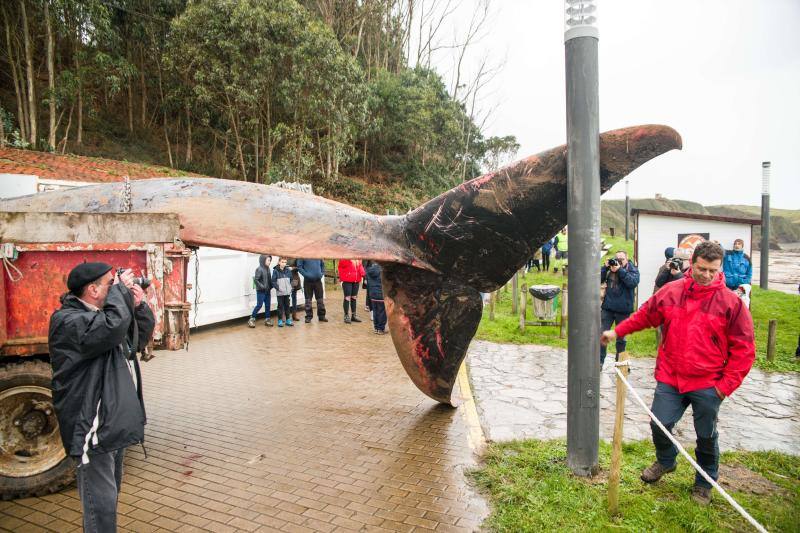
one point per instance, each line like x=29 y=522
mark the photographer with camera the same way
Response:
x=671 y=270
x=103 y=322
x=621 y=277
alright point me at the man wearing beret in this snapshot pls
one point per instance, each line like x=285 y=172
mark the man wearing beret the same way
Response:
x=103 y=323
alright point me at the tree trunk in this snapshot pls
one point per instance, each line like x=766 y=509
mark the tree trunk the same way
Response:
x=29 y=70
x=164 y=115
x=269 y=138
x=66 y=131
x=79 y=77
x=18 y=89
x=144 y=93
x=130 y=104
x=51 y=81
x=256 y=148
x=188 y=134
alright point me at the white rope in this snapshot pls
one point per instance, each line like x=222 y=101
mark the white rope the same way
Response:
x=9 y=265
x=696 y=466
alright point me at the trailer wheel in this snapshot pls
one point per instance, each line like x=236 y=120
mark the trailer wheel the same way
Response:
x=32 y=458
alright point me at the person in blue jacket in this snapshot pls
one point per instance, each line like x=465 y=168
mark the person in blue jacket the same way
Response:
x=737 y=266
x=313 y=270
x=621 y=278
x=547 y=249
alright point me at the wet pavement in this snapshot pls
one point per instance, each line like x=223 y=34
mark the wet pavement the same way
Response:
x=784 y=268
x=311 y=428
x=521 y=392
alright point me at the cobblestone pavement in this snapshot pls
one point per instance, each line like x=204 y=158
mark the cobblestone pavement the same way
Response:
x=521 y=392
x=311 y=428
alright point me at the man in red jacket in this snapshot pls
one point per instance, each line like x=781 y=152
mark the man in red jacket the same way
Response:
x=707 y=350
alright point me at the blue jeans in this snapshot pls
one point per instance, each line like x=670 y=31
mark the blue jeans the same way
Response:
x=669 y=406
x=378 y=314
x=99 y=482
x=262 y=297
x=606 y=319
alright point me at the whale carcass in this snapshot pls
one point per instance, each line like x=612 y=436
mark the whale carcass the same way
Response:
x=436 y=259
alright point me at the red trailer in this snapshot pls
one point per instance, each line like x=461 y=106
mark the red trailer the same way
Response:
x=38 y=251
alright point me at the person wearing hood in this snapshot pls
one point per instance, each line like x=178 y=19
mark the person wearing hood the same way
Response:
x=262 y=279
x=103 y=322
x=707 y=351
x=737 y=267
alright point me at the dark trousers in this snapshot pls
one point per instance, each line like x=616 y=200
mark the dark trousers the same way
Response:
x=314 y=288
x=262 y=298
x=379 y=315
x=350 y=290
x=607 y=318
x=294 y=300
x=99 y=482
x=669 y=406
x=283 y=307
x=546 y=262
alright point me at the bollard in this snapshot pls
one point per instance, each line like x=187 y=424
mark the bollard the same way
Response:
x=523 y=303
x=616 y=447
x=514 y=287
x=563 y=332
x=773 y=326
x=492 y=298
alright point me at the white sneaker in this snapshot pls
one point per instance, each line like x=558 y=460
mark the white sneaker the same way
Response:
x=251 y=323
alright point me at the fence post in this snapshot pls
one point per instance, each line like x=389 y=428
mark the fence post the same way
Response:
x=523 y=304
x=492 y=298
x=616 y=447
x=514 y=287
x=564 y=318
x=773 y=326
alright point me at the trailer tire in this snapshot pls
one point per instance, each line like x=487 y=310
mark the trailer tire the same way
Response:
x=26 y=406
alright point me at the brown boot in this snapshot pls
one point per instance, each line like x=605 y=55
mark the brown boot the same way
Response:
x=294 y=316
x=655 y=471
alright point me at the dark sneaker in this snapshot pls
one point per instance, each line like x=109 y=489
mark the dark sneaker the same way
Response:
x=355 y=319
x=323 y=319
x=655 y=471
x=346 y=319
x=251 y=323
x=701 y=495
x=308 y=319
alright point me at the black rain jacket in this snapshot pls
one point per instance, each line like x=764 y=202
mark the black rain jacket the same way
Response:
x=89 y=351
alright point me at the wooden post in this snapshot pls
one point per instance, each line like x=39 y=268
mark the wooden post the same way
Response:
x=616 y=447
x=773 y=326
x=492 y=298
x=523 y=303
x=564 y=317
x=514 y=288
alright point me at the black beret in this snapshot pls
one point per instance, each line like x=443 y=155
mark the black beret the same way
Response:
x=84 y=274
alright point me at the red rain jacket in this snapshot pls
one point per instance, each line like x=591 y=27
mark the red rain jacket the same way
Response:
x=707 y=335
x=350 y=271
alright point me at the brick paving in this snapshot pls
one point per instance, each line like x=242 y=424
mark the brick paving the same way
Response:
x=311 y=428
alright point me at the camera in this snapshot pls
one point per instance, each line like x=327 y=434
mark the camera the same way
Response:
x=613 y=262
x=676 y=263
x=141 y=281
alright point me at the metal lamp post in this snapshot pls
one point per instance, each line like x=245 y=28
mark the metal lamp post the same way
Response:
x=627 y=210
x=583 y=218
x=764 y=277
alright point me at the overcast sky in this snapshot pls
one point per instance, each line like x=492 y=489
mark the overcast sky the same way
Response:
x=725 y=74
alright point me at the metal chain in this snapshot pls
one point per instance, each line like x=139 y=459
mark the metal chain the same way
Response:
x=196 y=284
x=127 y=196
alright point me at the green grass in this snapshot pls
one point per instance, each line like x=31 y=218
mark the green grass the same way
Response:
x=531 y=489
x=766 y=305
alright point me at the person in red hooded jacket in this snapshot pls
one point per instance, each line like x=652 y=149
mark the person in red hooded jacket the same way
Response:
x=707 y=350
x=351 y=272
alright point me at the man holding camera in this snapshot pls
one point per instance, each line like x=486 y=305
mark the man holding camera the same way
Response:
x=620 y=278
x=94 y=337
x=707 y=351
x=671 y=270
